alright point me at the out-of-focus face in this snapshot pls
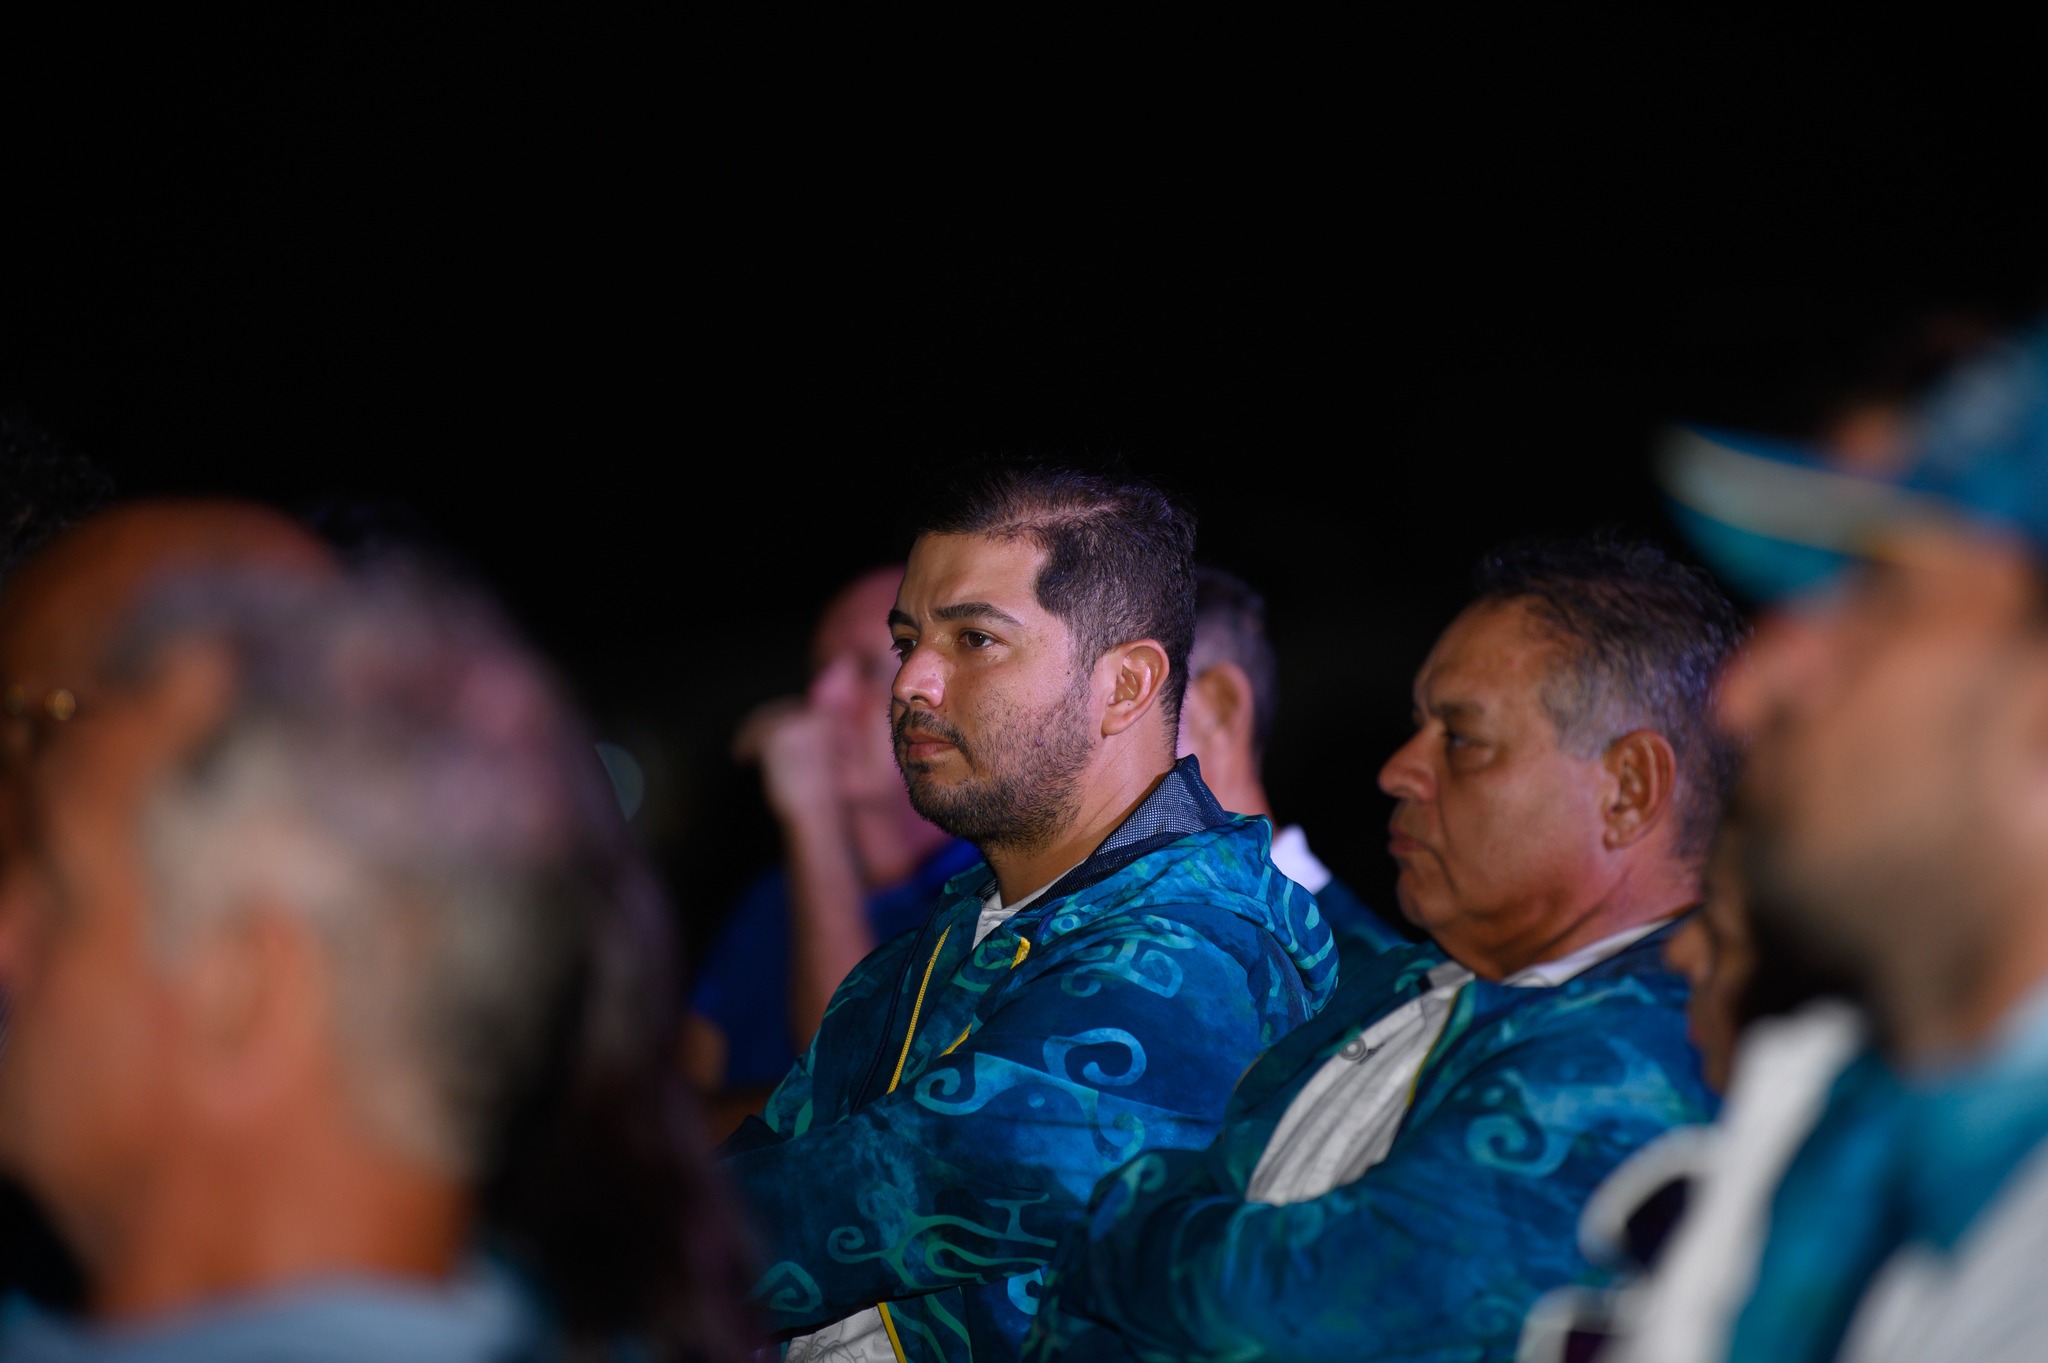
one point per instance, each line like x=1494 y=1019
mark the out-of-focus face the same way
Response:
x=1498 y=830
x=1715 y=952
x=1887 y=735
x=991 y=712
x=85 y=1075
x=853 y=662
x=87 y=1071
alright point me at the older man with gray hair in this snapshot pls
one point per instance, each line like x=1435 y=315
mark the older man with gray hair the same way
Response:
x=323 y=947
x=1401 y=1176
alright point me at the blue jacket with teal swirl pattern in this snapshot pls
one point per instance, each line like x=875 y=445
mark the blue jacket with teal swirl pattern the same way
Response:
x=1527 y=1101
x=960 y=1102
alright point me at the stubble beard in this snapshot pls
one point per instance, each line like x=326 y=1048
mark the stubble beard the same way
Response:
x=1866 y=918
x=1023 y=788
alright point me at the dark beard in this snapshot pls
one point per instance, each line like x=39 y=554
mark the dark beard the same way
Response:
x=1024 y=783
x=1803 y=918
x=1790 y=934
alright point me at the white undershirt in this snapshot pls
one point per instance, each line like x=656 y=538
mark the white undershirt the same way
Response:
x=994 y=913
x=1296 y=862
x=861 y=1337
x=1345 y=1118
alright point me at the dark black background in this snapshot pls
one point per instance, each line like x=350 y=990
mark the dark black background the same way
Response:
x=664 y=333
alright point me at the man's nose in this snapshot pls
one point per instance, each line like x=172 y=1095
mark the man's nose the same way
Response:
x=1785 y=659
x=1406 y=776
x=920 y=681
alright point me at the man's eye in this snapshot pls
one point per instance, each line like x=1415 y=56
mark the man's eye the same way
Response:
x=1455 y=740
x=901 y=648
x=974 y=638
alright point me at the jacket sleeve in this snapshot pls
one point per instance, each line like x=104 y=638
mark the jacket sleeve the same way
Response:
x=794 y=1102
x=1436 y=1252
x=971 y=1170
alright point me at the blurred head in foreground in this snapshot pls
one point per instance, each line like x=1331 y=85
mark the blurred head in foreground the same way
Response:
x=323 y=944
x=1895 y=800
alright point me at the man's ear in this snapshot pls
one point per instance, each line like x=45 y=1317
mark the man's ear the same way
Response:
x=257 y=1007
x=1643 y=778
x=192 y=686
x=1219 y=706
x=1134 y=675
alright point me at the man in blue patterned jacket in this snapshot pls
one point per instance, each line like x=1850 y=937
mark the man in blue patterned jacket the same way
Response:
x=1402 y=1177
x=1088 y=992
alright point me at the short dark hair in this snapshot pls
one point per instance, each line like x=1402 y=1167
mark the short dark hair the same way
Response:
x=1644 y=639
x=1230 y=627
x=1119 y=555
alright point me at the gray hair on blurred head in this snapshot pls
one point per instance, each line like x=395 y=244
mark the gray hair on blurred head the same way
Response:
x=398 y=770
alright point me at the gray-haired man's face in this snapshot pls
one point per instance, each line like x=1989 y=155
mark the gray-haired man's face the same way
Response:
x=1497 y=828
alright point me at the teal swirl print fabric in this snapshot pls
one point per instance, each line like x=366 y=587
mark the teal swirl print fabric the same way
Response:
x=1141 y=1000
x=1530 y=1097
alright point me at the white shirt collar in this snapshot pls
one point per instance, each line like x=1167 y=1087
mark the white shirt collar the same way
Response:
x=995 y=913
x=1585 y=958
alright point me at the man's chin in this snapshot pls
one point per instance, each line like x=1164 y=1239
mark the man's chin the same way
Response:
x=1422 y=910
x=933 y=798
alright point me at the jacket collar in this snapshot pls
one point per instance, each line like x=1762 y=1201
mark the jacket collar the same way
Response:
x=1180 y=805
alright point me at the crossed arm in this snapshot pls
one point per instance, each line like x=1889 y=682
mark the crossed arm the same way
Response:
x=971 y=1169
x=1435 y=1253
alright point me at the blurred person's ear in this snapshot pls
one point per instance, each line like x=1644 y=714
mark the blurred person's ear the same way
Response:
x=190 y=686
x=259 y=1014
x=1219 y=708
x=1642 y=772
x=1133 y=674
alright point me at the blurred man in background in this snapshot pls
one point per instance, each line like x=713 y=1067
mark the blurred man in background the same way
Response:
x=1092 y=991
x=1896 y=810
x=1226 y=722
x=1401 y=1177
x=860 y=866
x=326 y=962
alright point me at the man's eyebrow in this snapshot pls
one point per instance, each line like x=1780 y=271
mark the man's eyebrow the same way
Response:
x=1454 y=709
x=974 y=610
x=899 y=616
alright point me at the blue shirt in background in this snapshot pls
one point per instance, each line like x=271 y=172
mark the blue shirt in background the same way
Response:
x=481 y=1317
x=744 y=986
